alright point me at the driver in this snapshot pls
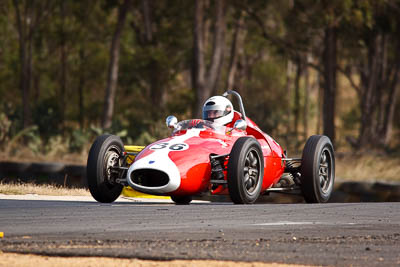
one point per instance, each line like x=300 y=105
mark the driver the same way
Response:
x=218 y=109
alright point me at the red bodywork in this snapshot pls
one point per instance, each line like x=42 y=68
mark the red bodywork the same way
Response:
x=194 y=163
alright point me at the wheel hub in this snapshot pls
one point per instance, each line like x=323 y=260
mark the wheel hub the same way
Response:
x=324 y=171
x=251 y=171
x=112 y=158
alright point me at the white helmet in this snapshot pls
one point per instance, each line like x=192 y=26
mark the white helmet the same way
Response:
x=218 y=109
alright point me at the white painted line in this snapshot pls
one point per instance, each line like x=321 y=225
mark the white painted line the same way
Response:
x=299 y=223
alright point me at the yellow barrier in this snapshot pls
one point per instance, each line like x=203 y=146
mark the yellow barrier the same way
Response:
x=129 y=191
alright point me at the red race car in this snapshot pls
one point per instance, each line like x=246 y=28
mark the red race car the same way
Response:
x=223 y=153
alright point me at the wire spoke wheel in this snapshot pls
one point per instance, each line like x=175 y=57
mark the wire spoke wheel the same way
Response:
x=111 y=159
x=104 y=155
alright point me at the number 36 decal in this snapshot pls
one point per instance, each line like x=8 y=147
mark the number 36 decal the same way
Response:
x=171 y=147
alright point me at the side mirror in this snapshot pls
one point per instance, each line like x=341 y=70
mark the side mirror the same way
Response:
x=171 y=122
x=240 y=125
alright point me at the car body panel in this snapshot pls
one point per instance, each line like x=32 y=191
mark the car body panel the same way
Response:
x=185 y=158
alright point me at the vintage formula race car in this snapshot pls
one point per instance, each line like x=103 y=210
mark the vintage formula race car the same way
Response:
x=202 y=156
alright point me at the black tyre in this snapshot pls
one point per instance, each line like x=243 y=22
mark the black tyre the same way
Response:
x=245 y=171
x=182 y=200
x=317 y=169
x=104 y=153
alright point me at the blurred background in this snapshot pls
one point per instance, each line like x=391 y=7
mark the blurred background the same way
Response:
x=71 y=70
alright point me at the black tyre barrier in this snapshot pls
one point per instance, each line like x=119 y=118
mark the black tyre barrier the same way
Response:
x=43 y=173
x=75 y=170
x=9 y=167
x=46 y=168
x=75 y=175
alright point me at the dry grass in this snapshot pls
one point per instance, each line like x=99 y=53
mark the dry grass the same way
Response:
x=368 y=168
x=51 y=190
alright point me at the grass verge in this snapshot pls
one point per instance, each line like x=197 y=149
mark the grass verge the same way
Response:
x=368 y=167
x=44 y=189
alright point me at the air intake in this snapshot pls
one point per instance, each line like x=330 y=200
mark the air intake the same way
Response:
x=149 y=178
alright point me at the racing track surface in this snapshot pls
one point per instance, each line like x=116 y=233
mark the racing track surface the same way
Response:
x=360 y=234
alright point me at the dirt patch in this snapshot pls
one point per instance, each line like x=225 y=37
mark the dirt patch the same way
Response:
x=13 y=259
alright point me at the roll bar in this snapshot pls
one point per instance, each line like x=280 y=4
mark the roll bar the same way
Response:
x=239 y=98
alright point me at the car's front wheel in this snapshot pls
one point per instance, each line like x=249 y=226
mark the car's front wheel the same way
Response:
x=104 y=154
x=245 y=171
x=317 y=169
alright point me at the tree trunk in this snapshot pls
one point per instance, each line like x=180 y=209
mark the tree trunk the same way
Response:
x=81 y=86
x=320 y=85
x=296 y=110
x=147 y=21
x=25 y=57
x=237 y=43
x=329 y=73
x=199 y=68
x=63 y=59
x=205 y=80
x=214 y=69
x=387 y=128
x=369 y=80
x=388 y=90
x=112 y=76
x=306 y=99
x=288 y=89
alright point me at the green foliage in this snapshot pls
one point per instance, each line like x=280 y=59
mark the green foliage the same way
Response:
x=155 y=73
x=352 y=118
x=79 y=139
x=47 y=116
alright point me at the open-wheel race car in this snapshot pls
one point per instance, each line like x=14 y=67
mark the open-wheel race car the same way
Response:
x=234 y=157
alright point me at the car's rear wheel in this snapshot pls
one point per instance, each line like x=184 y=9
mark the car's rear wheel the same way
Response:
x=104 y=154
x=182 y=200
x=317 y=169
x=245 y=171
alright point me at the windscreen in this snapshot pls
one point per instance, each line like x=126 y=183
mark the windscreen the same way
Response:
x=199 y=124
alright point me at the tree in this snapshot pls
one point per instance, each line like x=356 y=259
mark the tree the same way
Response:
x=63 y=62
x=205 y=76
x=376 y=61
x=28 y=16
x=112 y=77
x=329 y=74
x=236 y=49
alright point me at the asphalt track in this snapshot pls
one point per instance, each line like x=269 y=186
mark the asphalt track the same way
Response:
x=358 y=234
